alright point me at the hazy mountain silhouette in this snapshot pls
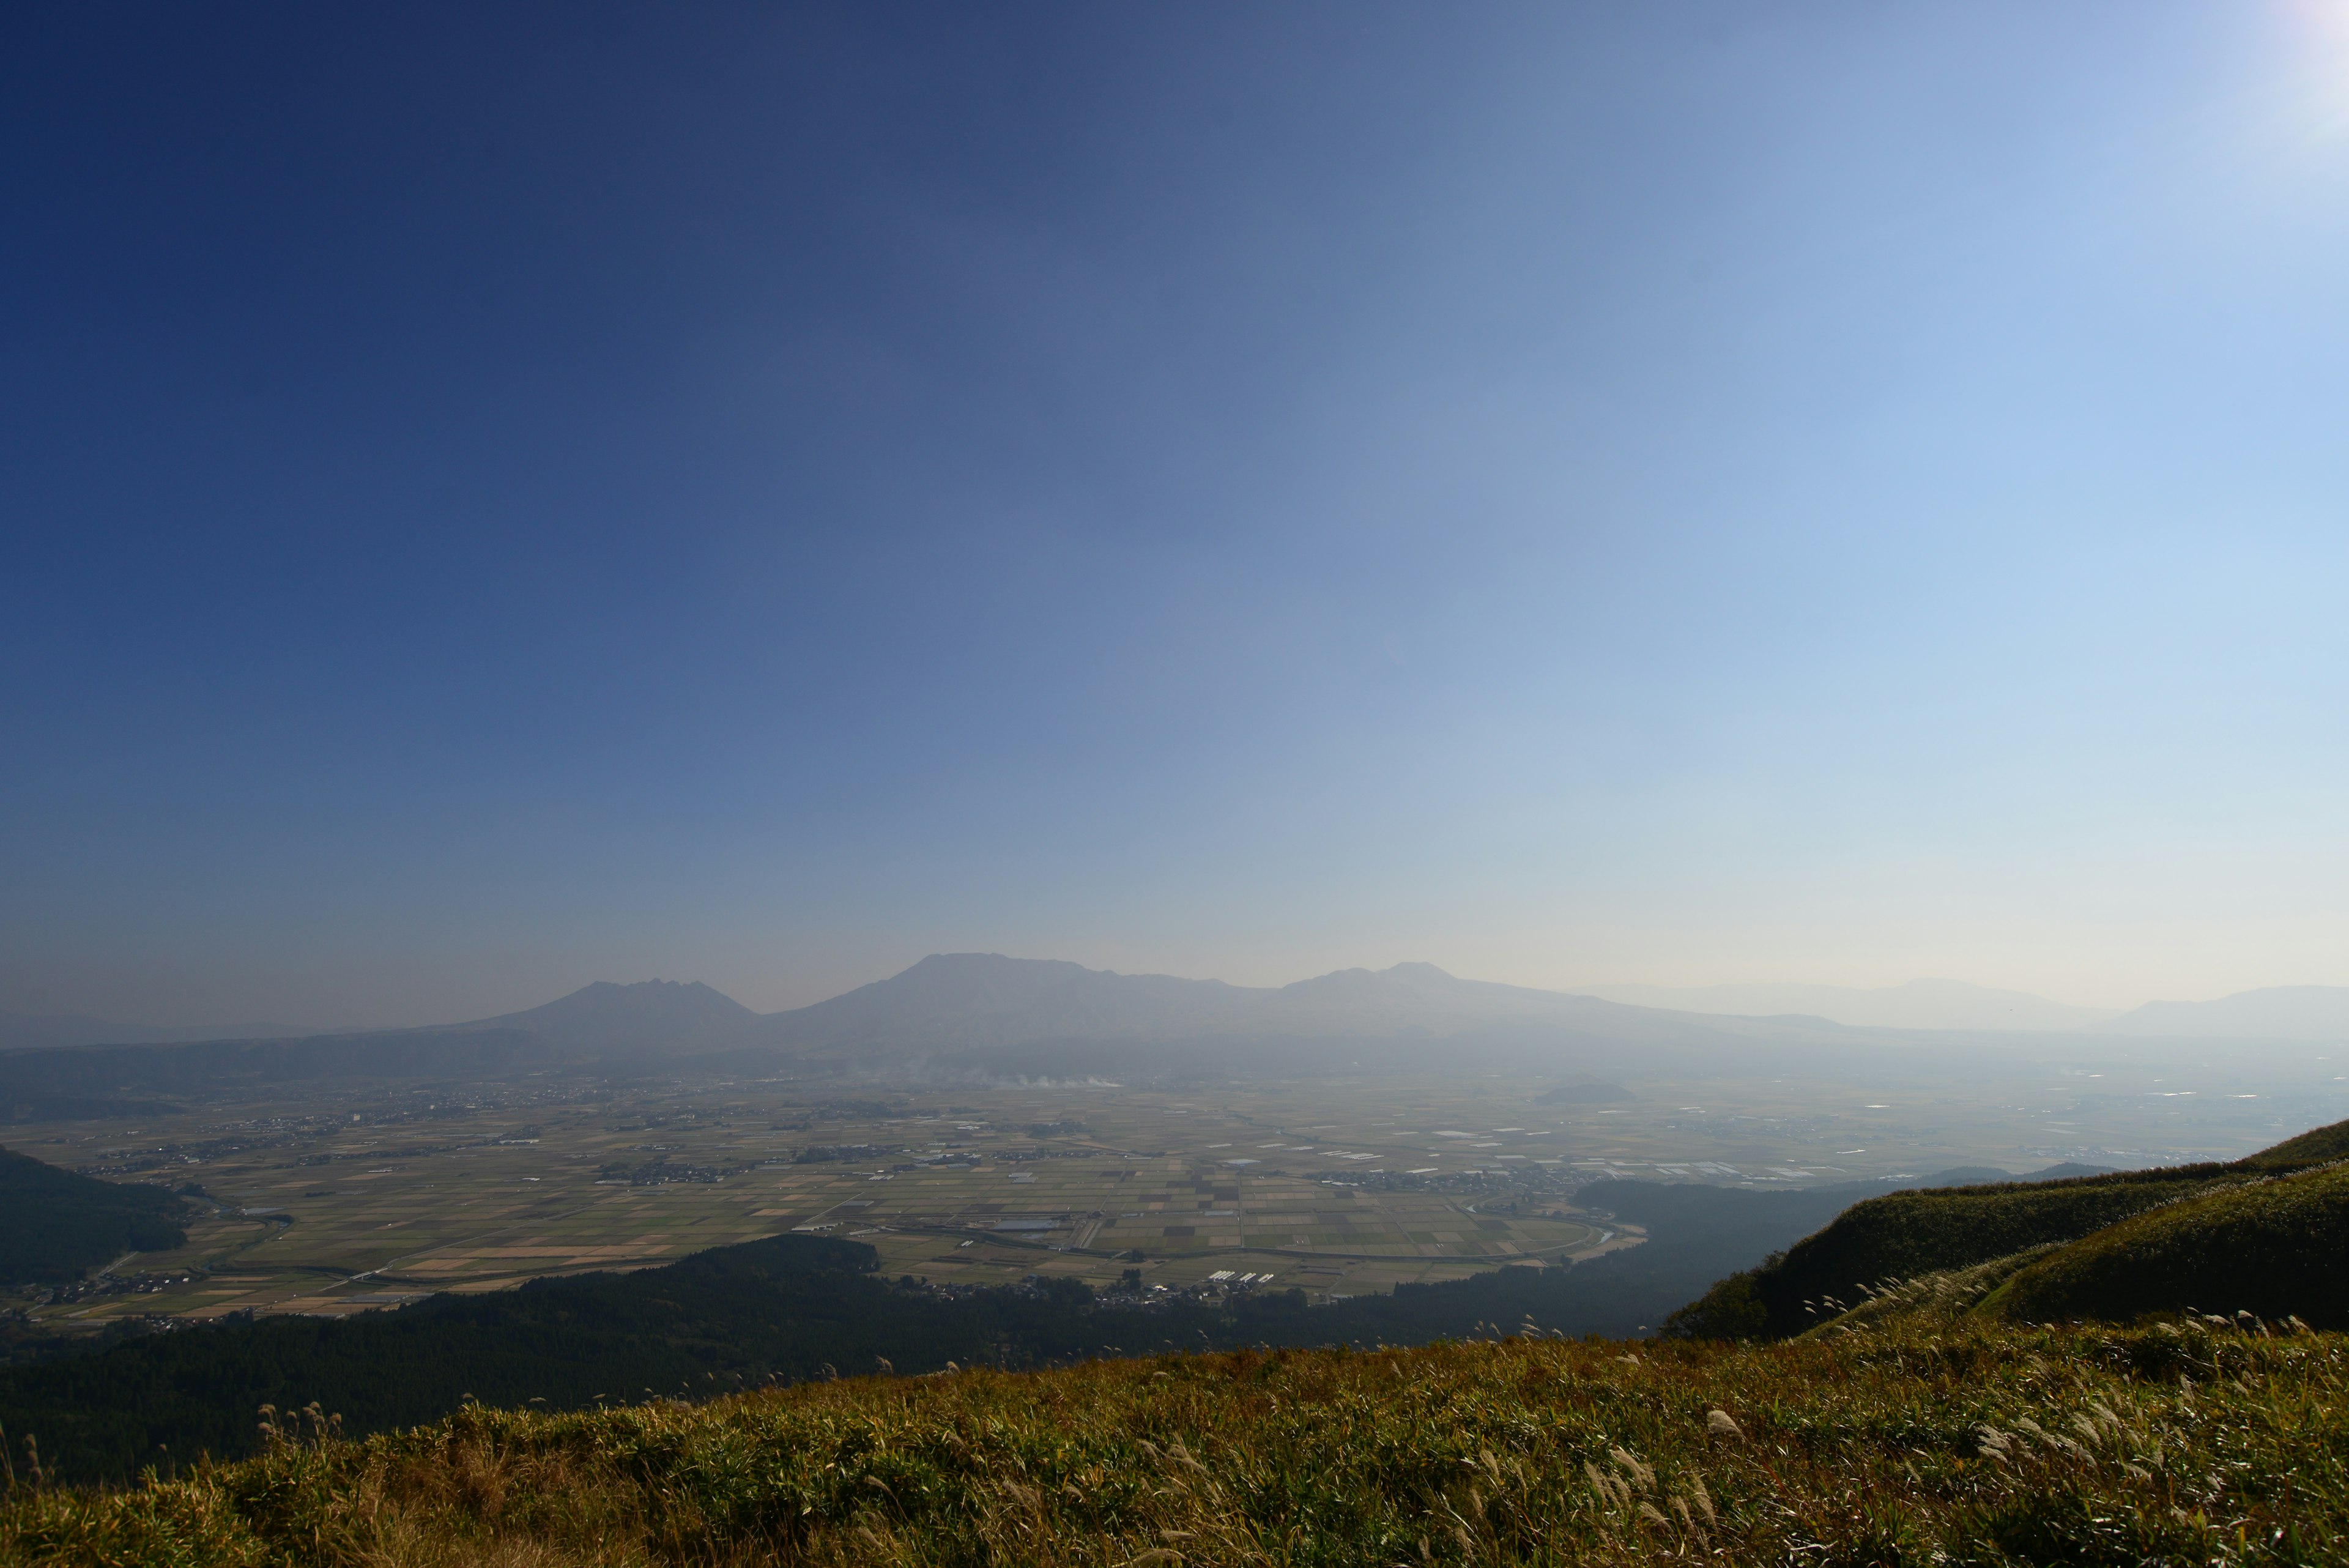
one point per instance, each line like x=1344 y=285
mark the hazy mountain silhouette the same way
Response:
x=965 y=1015
x=620 y=1025
x=958 y=1014
x=1918 y=1005
x=2276 y=1012
x=651 y=1016
x=111 y=1080
x=971 y=999
x=984 y=1015
x=965 y=1000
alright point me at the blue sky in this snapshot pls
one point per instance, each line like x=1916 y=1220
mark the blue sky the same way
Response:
x=498 y=497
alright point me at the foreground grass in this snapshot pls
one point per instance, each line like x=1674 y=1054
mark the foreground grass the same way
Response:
x=1953 y=1443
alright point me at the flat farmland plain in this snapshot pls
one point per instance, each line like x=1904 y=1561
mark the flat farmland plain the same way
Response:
x=370 y=1195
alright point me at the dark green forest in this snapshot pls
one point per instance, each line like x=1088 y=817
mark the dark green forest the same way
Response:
x=54 y=1224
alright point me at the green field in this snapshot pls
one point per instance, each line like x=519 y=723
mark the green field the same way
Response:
x=362 y=1194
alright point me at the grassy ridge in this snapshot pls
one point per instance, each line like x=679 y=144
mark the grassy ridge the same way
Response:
x=1909 y=1235
x=1905 y=1234
x=2316 y=1147
x=2272 y=1247
x=1990 y=1445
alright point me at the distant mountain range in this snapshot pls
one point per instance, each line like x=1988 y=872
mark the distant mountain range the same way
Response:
x=2277 y=1013
x=964 y=1000
x=983 y=1015
x=951 y=1017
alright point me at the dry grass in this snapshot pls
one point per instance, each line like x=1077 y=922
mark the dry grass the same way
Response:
x=1912 y=1442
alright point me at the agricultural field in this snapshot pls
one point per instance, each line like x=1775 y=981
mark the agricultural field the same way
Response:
x=362 y=1196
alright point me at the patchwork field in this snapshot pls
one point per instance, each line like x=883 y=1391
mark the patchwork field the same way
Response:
x=368 y=1196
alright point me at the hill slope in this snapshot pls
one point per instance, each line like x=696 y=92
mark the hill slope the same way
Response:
x=55 y=1224
x=1996 y=1444
x=1935 y=1231
x=2275 y=1249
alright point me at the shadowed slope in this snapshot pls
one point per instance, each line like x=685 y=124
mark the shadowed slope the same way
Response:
x=55 y=1223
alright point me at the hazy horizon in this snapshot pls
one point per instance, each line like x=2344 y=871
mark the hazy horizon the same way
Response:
x=1914 y=1004
x=1672 y=496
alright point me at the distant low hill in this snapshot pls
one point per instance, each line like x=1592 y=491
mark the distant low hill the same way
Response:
x=55 y=1224
x=34 y=1031
x=655 y=1016
x=2276 y=1012
x=1918 y=1005
x=2115 y=1245
x=113 y=1080
x=598 y=1024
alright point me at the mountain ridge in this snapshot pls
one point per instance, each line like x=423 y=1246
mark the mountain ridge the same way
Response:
x=986 y=1016
x=973 y=999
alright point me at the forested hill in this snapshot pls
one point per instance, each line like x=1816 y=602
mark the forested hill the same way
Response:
x=796 y=1307
x=54 y=1224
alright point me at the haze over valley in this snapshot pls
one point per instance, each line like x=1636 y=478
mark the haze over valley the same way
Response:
x=1171 y=785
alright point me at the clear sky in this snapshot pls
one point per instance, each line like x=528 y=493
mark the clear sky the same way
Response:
x=502 y=496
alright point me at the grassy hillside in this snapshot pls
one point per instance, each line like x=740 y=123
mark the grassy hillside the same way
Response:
x=1907 y=1235
x=2272 y=1247
x=1990 y=1445
x=2312 y=1147
x=55 y=1224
